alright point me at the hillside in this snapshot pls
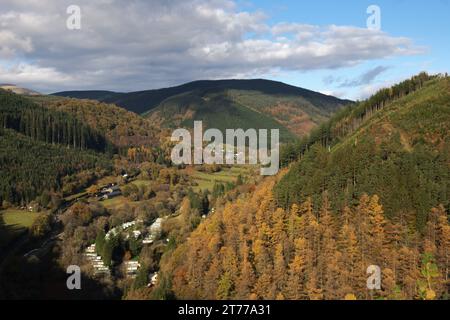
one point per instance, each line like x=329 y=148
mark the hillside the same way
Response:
x=23 y=115
x=123 y=128
x=397 y=148
x=18 y=90
x=243 y=102
x=29 y=167
x=376 y=195
x=144 y=101
x=45 y=150
x=216 y=111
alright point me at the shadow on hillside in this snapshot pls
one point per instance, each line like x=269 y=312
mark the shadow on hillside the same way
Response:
x=9 y=234
x=42 y=278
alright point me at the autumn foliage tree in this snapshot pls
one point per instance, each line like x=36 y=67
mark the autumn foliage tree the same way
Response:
x=252 y=249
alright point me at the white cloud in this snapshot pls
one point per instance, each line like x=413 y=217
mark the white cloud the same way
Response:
x=12 y=44
x=26 y=73
x=131 y=45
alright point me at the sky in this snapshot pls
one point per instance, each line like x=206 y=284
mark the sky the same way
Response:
x=131 y=45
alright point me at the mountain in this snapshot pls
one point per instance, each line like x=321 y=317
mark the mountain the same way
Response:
x=395 y=144
x=31 y=167
x=19 y=90
x=44 y=149
x=368 y=188
x=61 y=144
x=123 y=128
x=100 y=95
x=227 y=104
x=144 y=101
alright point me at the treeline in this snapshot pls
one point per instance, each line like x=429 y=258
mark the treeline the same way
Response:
x=123 y=128
x=50 y=126
x=402 y=155
x=28 y=167
x=407 y=182
x=350 y=118
x=251 y=249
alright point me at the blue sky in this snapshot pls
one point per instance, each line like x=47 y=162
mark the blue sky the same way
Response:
x=323 y=45
x=427 y=23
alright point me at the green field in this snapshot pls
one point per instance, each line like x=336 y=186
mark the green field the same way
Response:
x=114 y=203
x=140 y=182
x=206 y=181
x=13 y=223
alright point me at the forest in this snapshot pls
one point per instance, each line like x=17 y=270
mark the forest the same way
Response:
x=401 y=153
x=20 y=156
x=351 y=117
x=39 y=123
x=372 y=189
x=368 y=187
x=251 y=249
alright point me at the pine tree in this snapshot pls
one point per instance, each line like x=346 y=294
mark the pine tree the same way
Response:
x=246 y=280
x=313 y=290
x=295 y=288
x=225 y=287
x=376 y=236
x=279 y=276
x=443 y=244
x=427 y=282
x=211 y=280
x=294 y=223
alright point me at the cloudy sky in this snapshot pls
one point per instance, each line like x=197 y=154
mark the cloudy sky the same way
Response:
x=129 y=45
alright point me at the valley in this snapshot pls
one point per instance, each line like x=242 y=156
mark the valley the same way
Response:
x=92 y=183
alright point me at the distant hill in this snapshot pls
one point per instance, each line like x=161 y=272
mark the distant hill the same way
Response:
x=123 y=128
x=19 y=90
x=227 y=103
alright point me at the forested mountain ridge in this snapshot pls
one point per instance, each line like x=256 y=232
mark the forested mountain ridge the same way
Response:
x=45 y=150
x=400 y=152
x=375 y=195
x=349 y=119
x=228 y=104
x=31 y=167
x=39 y=123
x=144 y=101
x=123 y=128
x=252 y=249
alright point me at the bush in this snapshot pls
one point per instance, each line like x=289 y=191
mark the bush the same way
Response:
x=41 y=226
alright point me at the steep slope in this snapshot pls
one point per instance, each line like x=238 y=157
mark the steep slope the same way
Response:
x=216 y=111
x=352 y=200
x=51 y=126
x=45 y=150
x=399 y=150
x=29 y=167
x=123 y=128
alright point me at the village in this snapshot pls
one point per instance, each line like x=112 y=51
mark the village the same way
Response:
x=133 y=229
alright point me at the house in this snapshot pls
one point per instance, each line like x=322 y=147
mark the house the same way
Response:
x=153 y=279
x=111 y=189
x=154 y=231
x=131 y=267
x=111 y=195
x=96 y=261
